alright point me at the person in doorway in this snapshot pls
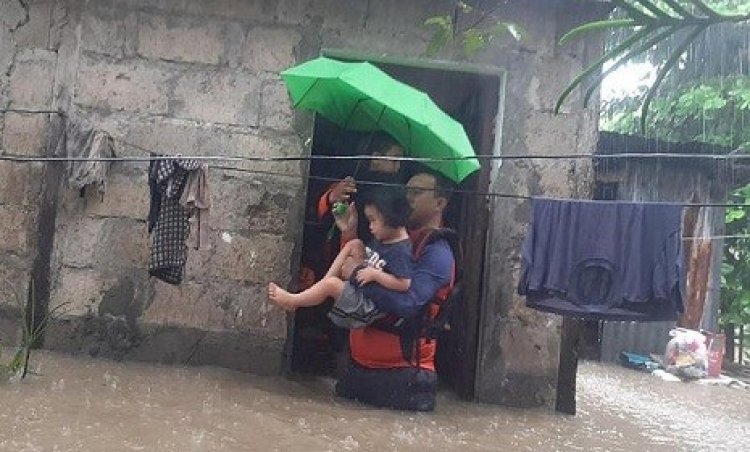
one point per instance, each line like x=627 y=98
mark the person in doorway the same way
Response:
x=324 y=240
x=378 y=171
x=386 y=261
x=379 y=373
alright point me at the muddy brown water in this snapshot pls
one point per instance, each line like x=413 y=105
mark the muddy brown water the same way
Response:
x=81 y=404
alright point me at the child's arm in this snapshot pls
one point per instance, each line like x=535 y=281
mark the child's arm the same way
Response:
x=384 y=279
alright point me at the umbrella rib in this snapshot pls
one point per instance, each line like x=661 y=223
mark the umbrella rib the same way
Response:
x=408 y=131
x=380 y=117
x=299 y=101
x=346 y=124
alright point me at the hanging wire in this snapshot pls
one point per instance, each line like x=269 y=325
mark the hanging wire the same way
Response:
x=474 y=192
x=663 y=155
x=321 y=178
x=734 y=155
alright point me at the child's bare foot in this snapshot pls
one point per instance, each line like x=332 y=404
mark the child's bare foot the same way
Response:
x=281 y=297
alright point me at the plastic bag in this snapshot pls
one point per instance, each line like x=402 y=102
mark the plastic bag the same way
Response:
x=686 y=353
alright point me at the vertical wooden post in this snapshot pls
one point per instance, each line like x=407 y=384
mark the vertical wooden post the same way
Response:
x=729 y=350
x=570 y=344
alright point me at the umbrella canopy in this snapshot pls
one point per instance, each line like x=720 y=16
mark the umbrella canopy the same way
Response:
x=359 y=96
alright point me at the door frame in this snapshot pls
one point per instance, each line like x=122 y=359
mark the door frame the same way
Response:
x=485 y=181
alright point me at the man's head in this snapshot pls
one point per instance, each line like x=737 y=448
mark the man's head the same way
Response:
x=382 y=145
x=428 y=194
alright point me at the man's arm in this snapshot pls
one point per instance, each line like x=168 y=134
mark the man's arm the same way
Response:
x=391 y=282
x=432 y=271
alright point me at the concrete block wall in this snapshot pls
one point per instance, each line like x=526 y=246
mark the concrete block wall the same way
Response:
x=27 y=68
x=189 y=78
x=519 y=347
x=202 y=77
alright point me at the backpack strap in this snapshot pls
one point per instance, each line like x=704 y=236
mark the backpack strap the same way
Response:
x=411 y=329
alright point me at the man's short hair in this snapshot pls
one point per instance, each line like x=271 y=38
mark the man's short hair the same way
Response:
x=443 y=186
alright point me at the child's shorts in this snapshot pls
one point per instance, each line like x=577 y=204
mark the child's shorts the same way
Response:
x=353 y=309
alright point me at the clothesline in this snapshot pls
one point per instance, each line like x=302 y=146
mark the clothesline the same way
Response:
x=735 y=155
x=328 y=179
x=479 y=193
x=717 y=158
x=331 y=179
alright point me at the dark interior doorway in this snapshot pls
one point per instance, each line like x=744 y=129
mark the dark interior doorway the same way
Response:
x=470 y=98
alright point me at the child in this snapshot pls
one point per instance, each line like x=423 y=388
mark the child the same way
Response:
x=386 y=261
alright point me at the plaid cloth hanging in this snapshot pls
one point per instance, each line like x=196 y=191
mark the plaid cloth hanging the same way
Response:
x=169 y=221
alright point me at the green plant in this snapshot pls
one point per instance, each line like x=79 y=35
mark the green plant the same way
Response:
x=714 y=110
x=651 y=22
x=735 y=271
x=32 y=330
x=470 y=27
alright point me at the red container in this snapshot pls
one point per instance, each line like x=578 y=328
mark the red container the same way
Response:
x=715 y=345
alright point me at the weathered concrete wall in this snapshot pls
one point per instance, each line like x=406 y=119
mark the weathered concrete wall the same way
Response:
x=519 y=348
x=173 y=77
x=26 y=83
x=201 y=77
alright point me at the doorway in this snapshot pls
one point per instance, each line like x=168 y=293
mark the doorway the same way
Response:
x=472 y=98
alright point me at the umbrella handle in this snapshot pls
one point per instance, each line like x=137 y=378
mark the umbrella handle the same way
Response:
x=331 y=231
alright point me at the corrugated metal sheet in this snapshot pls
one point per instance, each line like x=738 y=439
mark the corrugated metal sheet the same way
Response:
x=678 y=181
x=643 y=338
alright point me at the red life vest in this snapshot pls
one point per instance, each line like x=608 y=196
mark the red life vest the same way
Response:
x=395 y=342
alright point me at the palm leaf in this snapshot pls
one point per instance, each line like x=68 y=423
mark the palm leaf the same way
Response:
x=678 y=9
x=646 y=17
x=596 y=26
x=632 y=11
x=640 y=34
x=658 y=12
x=664 y=70
x=635 y=51
x=705 y=9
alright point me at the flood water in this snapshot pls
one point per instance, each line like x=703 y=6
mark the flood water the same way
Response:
x=80 y=404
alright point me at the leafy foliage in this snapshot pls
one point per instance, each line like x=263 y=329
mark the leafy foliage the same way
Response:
x=32 y=332
x=735 y=271
x=651 y=22
x=715 y=111
x=472 y=29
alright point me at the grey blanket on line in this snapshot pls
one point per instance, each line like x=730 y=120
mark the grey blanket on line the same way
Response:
x=77 y=138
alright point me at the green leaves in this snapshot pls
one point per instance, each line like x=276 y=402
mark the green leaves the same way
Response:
x=733 y=215
x=664 y=70
x=443 y=33
x=600 y=25
x=472 y=38
x=33 y=329
x=714 y=110
x=735 y=269
x=652 y=23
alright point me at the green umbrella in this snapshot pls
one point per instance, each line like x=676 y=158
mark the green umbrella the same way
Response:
x=359 y=96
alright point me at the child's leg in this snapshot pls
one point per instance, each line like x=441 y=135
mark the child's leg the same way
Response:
x=315 y=295
x=353 y=248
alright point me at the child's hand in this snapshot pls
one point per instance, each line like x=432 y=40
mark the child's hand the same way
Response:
x=367 y=275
